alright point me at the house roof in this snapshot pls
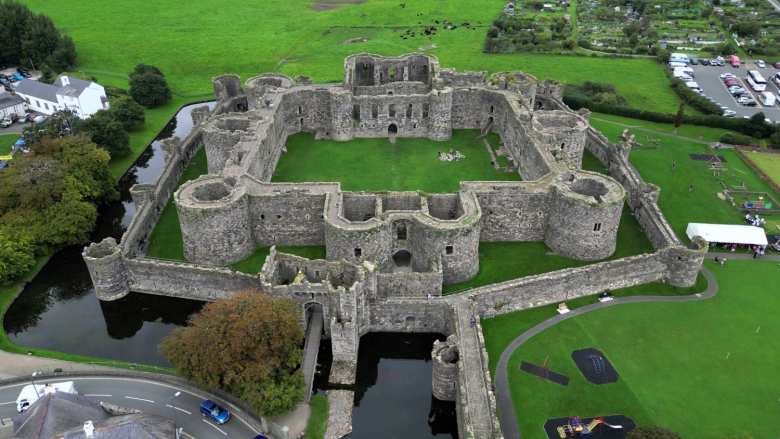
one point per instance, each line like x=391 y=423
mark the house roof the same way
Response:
x=134 y=426
x=37 y=89
x=55 y=413
x=9 y=100
x=74 y=87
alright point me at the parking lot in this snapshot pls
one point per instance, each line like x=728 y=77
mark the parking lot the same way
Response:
x=708 y=78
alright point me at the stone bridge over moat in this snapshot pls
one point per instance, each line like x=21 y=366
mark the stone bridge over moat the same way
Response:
x=358 y=288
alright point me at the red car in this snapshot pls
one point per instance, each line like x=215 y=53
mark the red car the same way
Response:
x=777 y=65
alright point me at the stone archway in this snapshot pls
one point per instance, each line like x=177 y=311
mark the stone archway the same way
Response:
x=402 y=259
x=392 y=129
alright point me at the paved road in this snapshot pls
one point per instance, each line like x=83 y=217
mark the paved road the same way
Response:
x=504 y=398
x=148 y=396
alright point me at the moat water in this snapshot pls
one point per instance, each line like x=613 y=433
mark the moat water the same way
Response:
x=58 y=310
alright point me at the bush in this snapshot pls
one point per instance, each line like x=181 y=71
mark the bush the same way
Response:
x=774 y=140
x=148 y=86
x=736 y=139
x=127 y=112
x=16 y=256
x=652 y=433
x=107 y=132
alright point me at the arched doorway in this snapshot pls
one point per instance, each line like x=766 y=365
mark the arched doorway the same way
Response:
x=402 y=259
x=392 y=130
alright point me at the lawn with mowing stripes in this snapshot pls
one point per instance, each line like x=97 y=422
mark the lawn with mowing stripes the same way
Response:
x=704 y=369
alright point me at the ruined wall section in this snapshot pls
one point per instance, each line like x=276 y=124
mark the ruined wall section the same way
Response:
x=512 y=211
x=563 y=134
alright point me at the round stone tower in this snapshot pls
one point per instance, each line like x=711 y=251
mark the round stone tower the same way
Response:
x=444 y=366
x=584 y=215
x=107 y=269
x=214 y=219
x=684 y=263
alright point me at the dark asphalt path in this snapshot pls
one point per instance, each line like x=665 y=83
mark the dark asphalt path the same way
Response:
x=148 y=396
x=504 y=398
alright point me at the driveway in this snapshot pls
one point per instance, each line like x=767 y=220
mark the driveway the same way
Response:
x=709 y=80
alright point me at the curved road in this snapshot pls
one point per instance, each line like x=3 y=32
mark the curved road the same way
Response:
x=149 y=396
x=504 y=398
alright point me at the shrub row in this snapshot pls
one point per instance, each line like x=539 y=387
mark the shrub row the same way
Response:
x=694 y=99
x=755 y=126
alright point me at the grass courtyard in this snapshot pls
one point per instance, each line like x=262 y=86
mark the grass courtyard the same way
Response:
x=768 y=163
x=706 y=370
x=377 y=165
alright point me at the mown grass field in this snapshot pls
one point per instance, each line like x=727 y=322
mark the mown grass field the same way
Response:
x=196 y=41
x=706 y=370
x=6 y=142
x=689 y=188
x=378 y=165
x=767 y=162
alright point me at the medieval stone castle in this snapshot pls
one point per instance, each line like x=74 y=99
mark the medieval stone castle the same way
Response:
x=390 y=253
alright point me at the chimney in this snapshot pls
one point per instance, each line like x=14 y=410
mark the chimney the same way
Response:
x=65 y=80
x=89 y=429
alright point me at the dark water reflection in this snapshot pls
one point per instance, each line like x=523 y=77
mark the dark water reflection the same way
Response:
x=393 y=394
x=58 y=309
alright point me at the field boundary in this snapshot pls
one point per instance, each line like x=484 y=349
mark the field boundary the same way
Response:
x=742 y=153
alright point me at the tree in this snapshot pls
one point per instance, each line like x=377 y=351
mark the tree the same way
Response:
x=16 y=256
x=107 y=132
x=774 y=140
x=652 y=433
x=127 y=112
x=148 y=86
x=248 y=345
x=679 y=117
x=32 y=39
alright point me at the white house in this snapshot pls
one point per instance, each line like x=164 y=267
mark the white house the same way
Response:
x=11 y=105
x=84 y=98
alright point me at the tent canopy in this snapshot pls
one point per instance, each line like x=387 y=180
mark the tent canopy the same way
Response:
x=728 y=233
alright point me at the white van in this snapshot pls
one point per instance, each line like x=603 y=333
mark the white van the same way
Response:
x=31 y=392
x=767 y=98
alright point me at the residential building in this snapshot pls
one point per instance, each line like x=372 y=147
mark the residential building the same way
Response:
x=11 y=104
x=84 y=98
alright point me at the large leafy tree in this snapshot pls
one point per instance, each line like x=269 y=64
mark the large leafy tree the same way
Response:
x=32 y=40
x=49 y=195
x=127 y=112
x=248 y=345
x=107 y=131
x=16 y=256
x=148 y=86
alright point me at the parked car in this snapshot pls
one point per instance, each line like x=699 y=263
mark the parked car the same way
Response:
x=729 y=113
x=6 y=122
x=760 y=63
x=777 y=65
x=704 y=62
x=214 y=411
x=767 y=98
x=39 y=118
x=23 y=72
x=727 y=75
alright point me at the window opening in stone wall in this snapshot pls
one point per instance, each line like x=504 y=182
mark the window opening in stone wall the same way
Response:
x=358 y=252
x=278 y=217
x=401 y=231
x=425 y=111
x=597 y=227
x=491 y=109
x=391 y=110
x=262 y=217
x=409 y=111
x=356 y=112
x=300 y=110
x=563 y=145
x=392 y=129
x=391 y=72
x=448 y=250
x=374 y=111
x=301 y=123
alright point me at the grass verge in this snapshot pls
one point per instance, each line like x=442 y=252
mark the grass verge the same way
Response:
x=318 y=419
x=6 y=142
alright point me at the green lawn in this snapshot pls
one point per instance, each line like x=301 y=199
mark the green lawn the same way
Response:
x=767 y=162
x=253 y=263
x=707 y=370
x=192 y=44
x=378 y=165
x=679 y=203
x=6 y=142
x=318 y=419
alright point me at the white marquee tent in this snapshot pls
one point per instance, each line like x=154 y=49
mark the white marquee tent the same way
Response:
x=728 y=233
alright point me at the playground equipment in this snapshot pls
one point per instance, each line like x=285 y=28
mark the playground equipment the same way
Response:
x=577 y=428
